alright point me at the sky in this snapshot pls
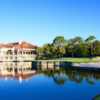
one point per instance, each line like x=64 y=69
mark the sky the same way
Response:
x=40 y=21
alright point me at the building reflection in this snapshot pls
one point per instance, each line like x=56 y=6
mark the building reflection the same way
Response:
x=15 y=67
x=17 y=70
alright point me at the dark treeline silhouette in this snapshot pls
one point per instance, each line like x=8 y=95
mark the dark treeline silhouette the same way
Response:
x=75 y=47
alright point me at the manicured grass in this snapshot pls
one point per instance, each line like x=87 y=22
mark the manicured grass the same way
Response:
x=76 y=60
x=81 y=60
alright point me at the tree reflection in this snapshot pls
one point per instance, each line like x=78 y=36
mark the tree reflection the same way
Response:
x=97 y=97
x=63 y=75
x=60 y=78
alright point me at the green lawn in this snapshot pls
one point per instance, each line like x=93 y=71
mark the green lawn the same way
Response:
x=76 y=60
x=82 y=60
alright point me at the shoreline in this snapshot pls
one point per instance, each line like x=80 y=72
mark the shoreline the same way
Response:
x=87 y=65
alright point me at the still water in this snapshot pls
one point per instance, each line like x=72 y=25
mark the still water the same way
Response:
x=47 y=84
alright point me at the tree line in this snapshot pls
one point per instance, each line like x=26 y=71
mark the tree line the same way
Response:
x=74 y=47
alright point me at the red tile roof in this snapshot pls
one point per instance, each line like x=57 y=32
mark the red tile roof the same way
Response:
x=18 y=45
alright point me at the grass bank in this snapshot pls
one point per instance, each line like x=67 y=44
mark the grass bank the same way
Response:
x=75 y=60
x=82 y=60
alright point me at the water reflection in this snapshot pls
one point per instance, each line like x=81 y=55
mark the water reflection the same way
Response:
x=97 y=97
x=60 y=75
x=16 y=70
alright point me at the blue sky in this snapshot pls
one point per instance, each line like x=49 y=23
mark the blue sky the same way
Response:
x=39 y=21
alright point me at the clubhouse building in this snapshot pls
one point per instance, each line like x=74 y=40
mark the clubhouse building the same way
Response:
x=18 y=51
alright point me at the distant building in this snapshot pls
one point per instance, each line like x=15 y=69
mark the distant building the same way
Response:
x=18 y=51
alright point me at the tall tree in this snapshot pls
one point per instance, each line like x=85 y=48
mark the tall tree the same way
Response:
x=96 y=46
x=47 y=51
x=59 y=44
x=89 y=42
x=90 y=39
x=59 y=41
x=73 y=43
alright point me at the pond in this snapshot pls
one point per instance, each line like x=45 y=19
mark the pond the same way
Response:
x=61 y=83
